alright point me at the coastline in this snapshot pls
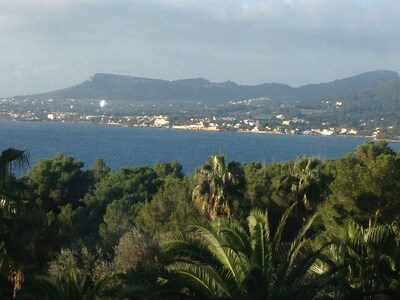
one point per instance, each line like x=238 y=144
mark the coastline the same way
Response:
x=212 y=129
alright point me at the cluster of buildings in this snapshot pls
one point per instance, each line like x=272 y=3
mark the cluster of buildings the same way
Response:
x=135 y=121
x=281 y=126
x=109 y=113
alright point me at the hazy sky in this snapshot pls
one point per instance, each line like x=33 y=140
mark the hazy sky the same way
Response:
x=52 y=44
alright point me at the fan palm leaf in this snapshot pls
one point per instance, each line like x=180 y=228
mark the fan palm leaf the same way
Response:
x=72 y=287
x=369 y=260
x=12 y=158
x=214 y=184
x=230 y=261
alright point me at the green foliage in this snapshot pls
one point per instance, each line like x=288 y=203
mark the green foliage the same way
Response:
x=366 y=260
x=217 y=187
x=258 y=183
x=170 y=209
x=21 y=226
x=118 y=219
x=134 y=250
x=10 y=187
x=64 y=264
x=115 y=200
x=99 y=169
x=85 y=225
x=71 y=287
x=58 y=181
x=110 y=207
x=12 y=158
x=134 y=184
x=229 y=261
x=302 y=184
x=383 y=98
x=365 y=187
x=168 y=169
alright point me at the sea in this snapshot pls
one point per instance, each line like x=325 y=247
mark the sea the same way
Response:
x=122 y=147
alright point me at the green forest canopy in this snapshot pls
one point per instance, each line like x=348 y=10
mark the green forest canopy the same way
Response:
x=298 y=229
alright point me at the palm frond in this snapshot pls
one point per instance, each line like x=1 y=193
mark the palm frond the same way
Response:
x=12 y=158
x=230 y=261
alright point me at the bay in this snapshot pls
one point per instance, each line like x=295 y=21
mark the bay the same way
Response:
x=127 y=146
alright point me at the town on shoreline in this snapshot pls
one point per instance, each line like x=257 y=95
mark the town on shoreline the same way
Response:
x=249 y=116
x=200 y=126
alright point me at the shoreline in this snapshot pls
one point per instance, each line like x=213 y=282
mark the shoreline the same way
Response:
x=185 y=128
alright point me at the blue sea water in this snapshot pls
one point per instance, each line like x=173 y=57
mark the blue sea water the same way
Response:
x=128 y=146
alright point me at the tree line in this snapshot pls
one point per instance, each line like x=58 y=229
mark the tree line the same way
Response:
x=303 y=229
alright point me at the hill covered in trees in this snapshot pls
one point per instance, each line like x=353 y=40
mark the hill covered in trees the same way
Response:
x=383 y=98
x=374 y=110
x=117 y=87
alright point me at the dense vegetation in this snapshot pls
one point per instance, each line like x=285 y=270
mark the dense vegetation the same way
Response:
x=304 y=229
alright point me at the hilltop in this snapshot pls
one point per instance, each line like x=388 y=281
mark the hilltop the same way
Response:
x=119 y=87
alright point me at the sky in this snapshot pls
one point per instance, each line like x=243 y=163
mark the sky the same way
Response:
x=52 y=44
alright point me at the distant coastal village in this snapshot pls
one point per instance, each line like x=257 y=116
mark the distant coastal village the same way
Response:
x=364 y=105
x=215 y=124
x=283 y=125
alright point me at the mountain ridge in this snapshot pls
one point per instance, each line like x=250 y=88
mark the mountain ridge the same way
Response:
x=124 y=87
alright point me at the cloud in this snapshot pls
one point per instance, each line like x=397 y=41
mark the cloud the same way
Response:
x=206 y=21
x=249 y=41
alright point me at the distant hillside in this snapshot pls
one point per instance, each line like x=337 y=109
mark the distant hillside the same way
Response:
x=108 y=86
x=345 y=86
x=381 y=100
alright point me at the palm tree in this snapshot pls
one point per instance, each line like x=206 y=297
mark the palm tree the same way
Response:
x=230 y=261
x=368 y=260
x=71 y=287
x=302 y=185
x=10 y=205
x=12 y=158
x=9 y=160
x=215 y=187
